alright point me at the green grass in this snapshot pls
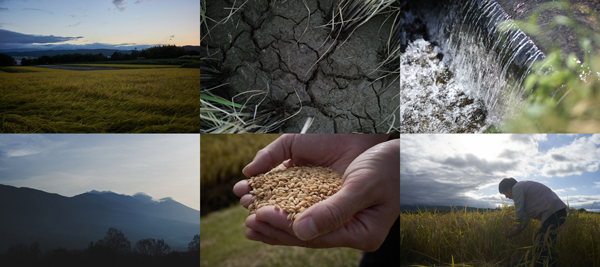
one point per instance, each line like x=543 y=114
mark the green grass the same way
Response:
x=478 y=239
x=223 y=243
x=112 y=101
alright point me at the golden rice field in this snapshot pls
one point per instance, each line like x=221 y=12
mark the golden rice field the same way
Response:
x=478 y=239
x=43 y=100
x=126 y=66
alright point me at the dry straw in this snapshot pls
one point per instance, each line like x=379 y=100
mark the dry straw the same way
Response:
x=293 y=189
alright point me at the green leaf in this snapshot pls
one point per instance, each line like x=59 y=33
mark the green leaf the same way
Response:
x=221 y=101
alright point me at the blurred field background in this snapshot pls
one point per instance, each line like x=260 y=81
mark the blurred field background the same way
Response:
x=222 y=230
x=222 y=158
x=223 y=243
x=434 y=238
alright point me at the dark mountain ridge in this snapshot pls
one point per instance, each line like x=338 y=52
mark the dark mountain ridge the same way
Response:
x=28 y=215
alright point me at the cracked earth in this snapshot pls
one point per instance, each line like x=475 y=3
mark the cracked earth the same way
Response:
x=281 y=49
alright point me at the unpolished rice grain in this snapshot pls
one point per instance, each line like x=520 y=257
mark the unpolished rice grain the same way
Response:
x=293 y=189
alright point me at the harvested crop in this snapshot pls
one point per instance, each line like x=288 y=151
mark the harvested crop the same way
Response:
x=293 y=189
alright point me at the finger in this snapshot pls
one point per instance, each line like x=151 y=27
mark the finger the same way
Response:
x=246 y=200
x=327 y=215
x=257 y=236
x=270 y=156
x=275 y=217
x=241 y=188
x=272 y=232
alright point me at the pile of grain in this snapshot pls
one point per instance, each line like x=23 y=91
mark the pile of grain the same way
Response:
x=293 y=189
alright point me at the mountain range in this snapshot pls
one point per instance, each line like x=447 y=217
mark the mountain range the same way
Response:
x=54 y=52
x=28 y=215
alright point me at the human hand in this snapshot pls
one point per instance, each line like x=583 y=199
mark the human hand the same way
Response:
x=359 y=215
x=513 y=232
x=332 y=150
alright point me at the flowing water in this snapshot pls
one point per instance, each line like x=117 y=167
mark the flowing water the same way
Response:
x=460 y=72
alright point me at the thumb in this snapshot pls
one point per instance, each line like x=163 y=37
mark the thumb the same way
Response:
x=327 y=215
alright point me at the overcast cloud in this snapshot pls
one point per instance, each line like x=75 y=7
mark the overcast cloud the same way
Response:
x=9 y=37
x=466 y=169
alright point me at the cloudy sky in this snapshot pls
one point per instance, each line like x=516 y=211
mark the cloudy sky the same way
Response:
x=458 y=169
x=159 y=165
x=98 y=23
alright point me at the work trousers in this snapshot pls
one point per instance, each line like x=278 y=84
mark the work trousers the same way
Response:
x=546 y=239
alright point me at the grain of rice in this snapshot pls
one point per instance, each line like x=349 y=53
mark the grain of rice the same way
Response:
x=293 y=189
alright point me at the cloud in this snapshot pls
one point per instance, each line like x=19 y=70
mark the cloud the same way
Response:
x=120 y=5
x=141 y=196
x=476 y=163
x=40 y=10
x=458 y=169
x=3 y=9
x=140 y=1
x=10 y=37
x=74 y=25
x=559 y=157
x=21 y=152
x=581 y=155
x=171 y=37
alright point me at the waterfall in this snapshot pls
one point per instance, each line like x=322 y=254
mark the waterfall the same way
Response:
x=465 y=74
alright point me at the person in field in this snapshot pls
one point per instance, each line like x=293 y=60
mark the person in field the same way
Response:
x=534 y=200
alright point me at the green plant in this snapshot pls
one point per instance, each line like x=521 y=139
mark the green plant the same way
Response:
x=562 y=94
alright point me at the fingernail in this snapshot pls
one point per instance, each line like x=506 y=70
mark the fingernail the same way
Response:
x=306 y=229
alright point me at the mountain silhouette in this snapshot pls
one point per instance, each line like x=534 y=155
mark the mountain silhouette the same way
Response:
x=28 y=215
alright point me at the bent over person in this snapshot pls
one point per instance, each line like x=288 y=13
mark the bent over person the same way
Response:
x=534 y=200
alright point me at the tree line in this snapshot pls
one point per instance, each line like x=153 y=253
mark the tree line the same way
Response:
x=156 y=52
x=113 y=250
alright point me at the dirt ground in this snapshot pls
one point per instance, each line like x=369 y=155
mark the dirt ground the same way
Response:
x=283 y=50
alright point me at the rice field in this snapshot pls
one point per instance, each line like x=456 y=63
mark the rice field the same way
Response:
x=462 y=238
x=126 y=66
x=43 y=100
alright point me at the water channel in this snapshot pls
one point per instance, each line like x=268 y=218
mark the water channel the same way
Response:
x=460 y=72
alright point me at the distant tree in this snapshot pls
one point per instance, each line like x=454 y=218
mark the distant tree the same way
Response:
x=26 y=62
x=6 y=60
x=116 y=56
x=160 y=248
x=194 y=246
x=45 y=60
x=116 y=241
x=150 y=246
x=582 y=210
x=23 y=255
x=144 y=246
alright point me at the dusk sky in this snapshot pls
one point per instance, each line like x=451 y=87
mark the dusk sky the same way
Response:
x=464 y=169
x=97 y=23
x=160 y=165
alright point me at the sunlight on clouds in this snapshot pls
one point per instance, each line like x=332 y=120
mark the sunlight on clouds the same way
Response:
x=581 y=155
x=457 y=169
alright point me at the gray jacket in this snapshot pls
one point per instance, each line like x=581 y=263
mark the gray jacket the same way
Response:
x=534 y=200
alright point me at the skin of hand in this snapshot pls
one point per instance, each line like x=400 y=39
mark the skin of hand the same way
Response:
x=513 y=232
x=358 y=216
